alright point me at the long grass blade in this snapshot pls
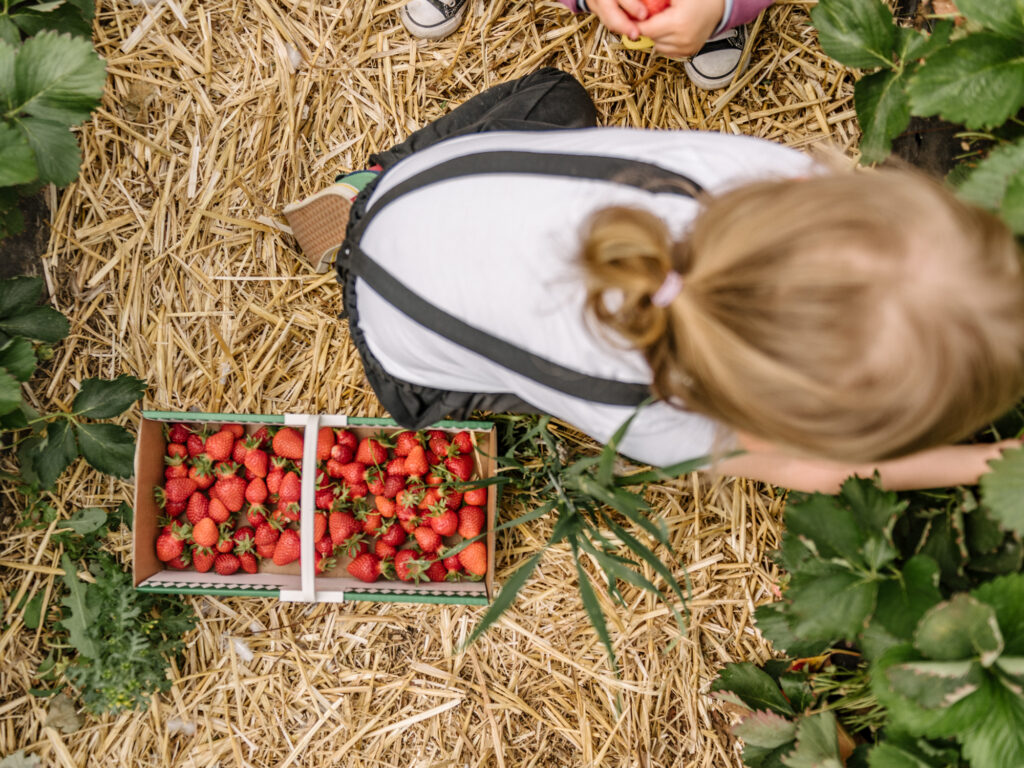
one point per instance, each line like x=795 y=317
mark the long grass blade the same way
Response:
x=505 y=597
x=593 y=609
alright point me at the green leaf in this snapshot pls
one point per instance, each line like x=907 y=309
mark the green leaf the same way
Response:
x=935 y=684
x=857 y=33
x=9 y=32
x=18 y=356
x=1012 y=667
x=57 y=155
x=817 y=743
x=1013 y=205
x=914 y=45
x=26 y=454
x=17 y=162
x=10 y=392
x=86 y=520
x=1006 y=597
x=883 y=111
x=960 y=628
x=8 y=55
x=107 y=447
x=1003 y=16
x=54 y=452
x=830 y=605
x=827 y=527
x=1002 y=489
x=81 y=616
x=774 y=623
x=997 y=741
x=506 y=596
x=977 y=81
x=886 y=755
x=11 y=220
x=86 y=7
x=874 y=510
x=593 y=609
x=986 y=185
x=33 y=610
x=63 y=19
x=902 y=602
x=984 y=534
x=57 y=77
x=18 y=293
x=39 y=323
x=105 y=399
x=754 y=686
x=765 y=729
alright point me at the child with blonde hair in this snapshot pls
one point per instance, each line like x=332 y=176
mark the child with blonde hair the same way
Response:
x=824 y=323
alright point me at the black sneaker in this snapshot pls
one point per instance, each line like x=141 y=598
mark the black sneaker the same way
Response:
x=432 y=19
x=717 y=63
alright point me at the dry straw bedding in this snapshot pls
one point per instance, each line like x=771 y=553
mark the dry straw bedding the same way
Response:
x=170 y=258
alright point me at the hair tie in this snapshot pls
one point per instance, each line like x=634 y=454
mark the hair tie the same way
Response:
x=668 y=290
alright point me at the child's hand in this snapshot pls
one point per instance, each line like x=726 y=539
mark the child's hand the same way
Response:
x=683 y=27
x=615 y=14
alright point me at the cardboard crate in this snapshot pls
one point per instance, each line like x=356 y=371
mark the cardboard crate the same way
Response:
x=296 y=581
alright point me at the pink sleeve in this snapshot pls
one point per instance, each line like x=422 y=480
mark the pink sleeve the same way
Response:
x=744 y=11
x=571 y=5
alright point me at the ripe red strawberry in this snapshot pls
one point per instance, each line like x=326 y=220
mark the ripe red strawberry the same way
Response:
x=202 y=559
x=335 y=469
x=375 y=480
x=342 y=525
x=347 y=438
x=405 y=442
x=202 y=472
x=444 y=524
x=437 y=571
x=324 y=546
x=169 y=546
x=256 y=514
x=225 y=543
x=323 y=480
x=365 y=567
x=256 y=491
x=438 y=442
x=290 y=511
x=474 y=558
x=205 y=533
x=198 y=507
x=219 y=445
x=427 y=538
x=239 y=451
x=385 y=506
x=323 y=563
x=654 y=6
x=176 y=451
x=231 y=491
x=266 y=534
x=461 y=466
x=266 y=551
x=273 y=480
x=181 y=562
x=319 y=526
x=260 y=438
x=371 y=452
x=353 y=473
x=408 y=568
x=178 y=433
x=195 y=444
x=288 y=443
x=358 y=491
x=288 y=547
x=342 y=453
x=410 y=524
x=393 y=535
x=452 y=564
x=434 y=479
x=430 y=498
x=175 y=470
x=325 y=499
x=463 y=442
x=475 y=497
x=291 y=487
x=218 y=512
x=236 y=430
x=396 y=467
x=432 y=458
x=249 y=562
x=416 y=462
x=324 y=442
x=175 y=508
x=471 y=522
x=179 y=489
x=371 y=523
x=224 y=469
x=383 y=550
x=226 y=564
x=452 y=498
x=257 y=462
x=392 y=486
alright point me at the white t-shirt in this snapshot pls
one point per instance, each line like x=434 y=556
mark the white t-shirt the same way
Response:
x=499 y=252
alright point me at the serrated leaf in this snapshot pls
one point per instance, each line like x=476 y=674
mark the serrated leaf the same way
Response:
x=66 y=18
x=108 y=448
x=8 y=55
x=86 y=520
x=1012 y=667
x=26 y=456
x=765 y=729
x=9 y=33
x=1002 y=489
x=914 y=45
x=17 y=161
x=889 y=756
x=54 y=452
x=86 y=7
x=105 y=399
x=1012 y=209
x=57 y=77
x=827 y=527
x=883 y=111
x=857 y=33
x=977 y=81
x=1008 y=558
x=986 y=185
x=960 y=628
x=874 y=509
x=1006 y=597
x=997 y=741
x=39 y=323
x=10 y=392
x=62 y=715
x=774 y=623
x=80 y=614
x=57 y=155
x=754 y=686
x=830 y=606
x=817 y=743
x=18 y=356
x=935 y=684
x=1003 y=16
x=902 y=602
x=984 y=534
x=18 y=293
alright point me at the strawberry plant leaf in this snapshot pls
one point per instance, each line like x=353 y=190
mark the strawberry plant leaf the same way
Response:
x=1002 y=489
x=10 y=393
x=33 y=611
x=17 y=161
x=883 y=111
x=977 y=81
x=81 y=615
x=54 y=452
x=765 y=729
x=984 y=534
x=935 y=684
x=903 y=601
x=18 y=356
x=774 y=623
x=9 y=32
x=1004 y=16
x=1013 y=205
x=86 y=520
x=828 y=528
x=64 y=18
x=18 y=293
x=817 y=743
x=997 y=741
x=39 y=323
x=1006 y=597
x=857 y=33
x=56 y=151
x=829 y=603
x=874 y=510
x=887 y=755
x=913 y=44
x=57 y=77
x=108 y=448
x=754 y=686
x=960 y=628
x=986 y=185
x=105 y=399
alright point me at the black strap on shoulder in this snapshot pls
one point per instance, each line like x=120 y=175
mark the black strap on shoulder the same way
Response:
x=640 y=175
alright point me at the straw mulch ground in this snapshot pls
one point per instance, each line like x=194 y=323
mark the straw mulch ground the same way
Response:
x=169 y=256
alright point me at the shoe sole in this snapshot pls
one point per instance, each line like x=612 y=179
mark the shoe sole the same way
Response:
x=319 y=223
x=435 y=32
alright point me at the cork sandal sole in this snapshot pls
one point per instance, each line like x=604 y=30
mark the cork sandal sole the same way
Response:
x=319 y=224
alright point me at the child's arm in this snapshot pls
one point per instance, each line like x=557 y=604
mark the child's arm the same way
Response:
x=683 y=28
x=934 y=468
